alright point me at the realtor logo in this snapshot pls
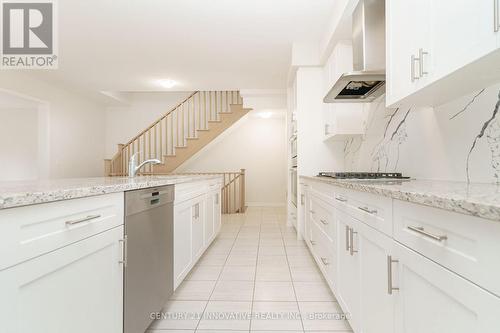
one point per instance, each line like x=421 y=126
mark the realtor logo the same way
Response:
x=28 y=35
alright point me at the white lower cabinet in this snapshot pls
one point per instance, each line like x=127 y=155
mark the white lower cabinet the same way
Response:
x=182 y=241
x=387 y=287
x=77 y=288
x=377 y=301
x=432 y=299
x=197 y=221
x=348 y=284
x=213 y=215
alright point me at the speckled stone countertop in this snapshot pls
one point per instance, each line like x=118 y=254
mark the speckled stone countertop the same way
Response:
x=476 y=199
x=23 y=193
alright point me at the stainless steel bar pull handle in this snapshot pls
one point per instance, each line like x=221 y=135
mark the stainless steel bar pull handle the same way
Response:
x=125 y=243
x=390 y=288
x=347 y=232
x=351 y=240
x=302 y=199
x=341 y=199
x=325 y=261
x=368 y=210
x=421 y=230
x=324 y=222
x=85 y=219
x=421 y=54
x=413 y=75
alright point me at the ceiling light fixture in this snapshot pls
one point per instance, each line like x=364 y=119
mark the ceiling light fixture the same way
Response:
x=167 y=83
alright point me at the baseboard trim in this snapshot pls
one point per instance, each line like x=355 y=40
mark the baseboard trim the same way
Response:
x=265 y=204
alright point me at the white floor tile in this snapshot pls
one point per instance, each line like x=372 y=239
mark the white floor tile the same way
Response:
x=241 y=260
x=274 y=291
x=194 y=291
x=301 y=261
x=212 y=260
x=271 y=251
x=273 y=273
x=204 y=273
x=233 y=291
x=272 y=261
x=313 y=291
x=226 y=315
x=306 y=274
x=238 y=273
x=297 y=251
x=275 y=316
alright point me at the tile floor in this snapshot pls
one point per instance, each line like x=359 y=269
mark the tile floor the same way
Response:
x=255 y=277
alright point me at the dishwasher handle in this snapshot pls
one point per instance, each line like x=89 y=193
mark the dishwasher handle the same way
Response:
x=150 y=198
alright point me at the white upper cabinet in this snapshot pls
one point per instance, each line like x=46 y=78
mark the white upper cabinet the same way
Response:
x=342 y=120
x=440 y=50
x=408 y=31
x=462 y=32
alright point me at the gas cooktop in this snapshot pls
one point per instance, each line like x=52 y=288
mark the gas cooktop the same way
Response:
x=363 y=175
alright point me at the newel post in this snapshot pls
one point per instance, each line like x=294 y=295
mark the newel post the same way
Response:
x=242 y=191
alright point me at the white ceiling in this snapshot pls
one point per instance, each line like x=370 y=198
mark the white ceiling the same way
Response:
x=128 y=45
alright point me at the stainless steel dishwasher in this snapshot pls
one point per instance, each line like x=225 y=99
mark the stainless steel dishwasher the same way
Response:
x=148 y=277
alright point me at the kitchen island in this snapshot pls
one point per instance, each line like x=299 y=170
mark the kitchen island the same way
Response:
x=63 y=247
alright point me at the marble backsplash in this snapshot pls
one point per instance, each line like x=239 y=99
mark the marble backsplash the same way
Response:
x=457 y=141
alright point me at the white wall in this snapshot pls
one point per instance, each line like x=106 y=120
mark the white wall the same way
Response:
x=19 y=143
x=255 y=144
x=74 y=126
x=124 y=122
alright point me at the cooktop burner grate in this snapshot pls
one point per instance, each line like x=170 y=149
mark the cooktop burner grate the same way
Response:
x=363 y=175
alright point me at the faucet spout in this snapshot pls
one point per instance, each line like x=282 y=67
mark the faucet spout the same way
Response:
x=133 y=168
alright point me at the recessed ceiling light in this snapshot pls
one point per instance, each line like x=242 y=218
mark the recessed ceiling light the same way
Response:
x=167 y=83
x=265 y=115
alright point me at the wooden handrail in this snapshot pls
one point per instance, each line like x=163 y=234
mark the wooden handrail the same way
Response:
x=232 y=192
x=161 y=118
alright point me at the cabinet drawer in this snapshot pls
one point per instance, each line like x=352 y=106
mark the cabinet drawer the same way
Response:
x=323 y=215
x=27 y=232
x=323 y=252
x=374 y=210
x=188 y=191
x=469 y=245
x=433 y=299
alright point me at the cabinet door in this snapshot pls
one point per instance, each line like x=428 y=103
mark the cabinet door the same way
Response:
x=348 y=273
x=217 y=212
x=462 y=31
x=182 y=241
x=78 y=288
x=432 y=299
x=408 y=29
x=197 y=221
x=377 y=302
x=209 y=226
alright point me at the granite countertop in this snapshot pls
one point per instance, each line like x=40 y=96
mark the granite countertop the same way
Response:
x=23 y=193
x=476 y=199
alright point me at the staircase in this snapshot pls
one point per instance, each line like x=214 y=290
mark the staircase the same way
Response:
x=180 y=133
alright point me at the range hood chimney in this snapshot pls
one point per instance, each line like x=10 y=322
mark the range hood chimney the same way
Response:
x=367 y=81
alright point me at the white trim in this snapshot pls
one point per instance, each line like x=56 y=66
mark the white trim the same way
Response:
x=264 y=204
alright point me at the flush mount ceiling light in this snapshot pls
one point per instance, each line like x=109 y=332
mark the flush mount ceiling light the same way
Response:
x=167 y=83
x=265 y=115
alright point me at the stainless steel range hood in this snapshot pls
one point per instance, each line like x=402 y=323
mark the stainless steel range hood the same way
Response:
x=367 y=81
